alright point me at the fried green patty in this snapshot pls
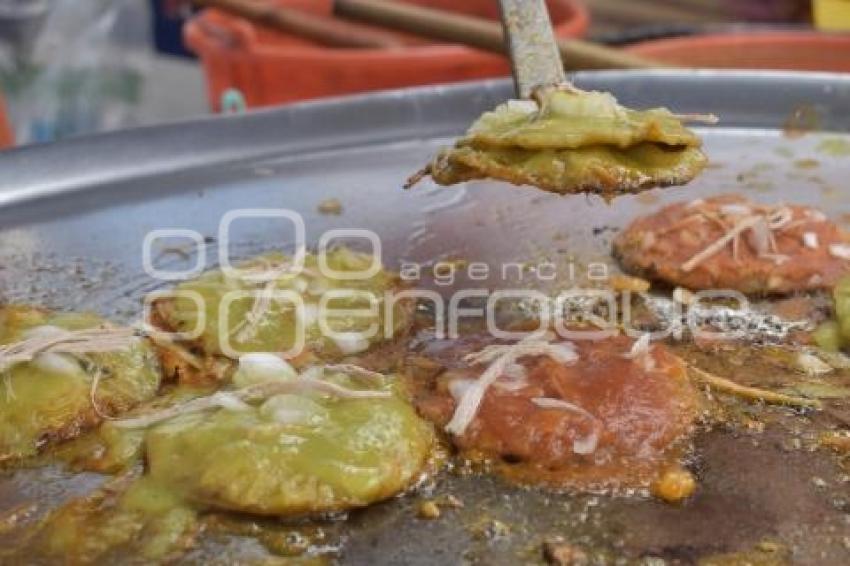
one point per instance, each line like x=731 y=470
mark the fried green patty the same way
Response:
x=52 y=397
x=573 y=141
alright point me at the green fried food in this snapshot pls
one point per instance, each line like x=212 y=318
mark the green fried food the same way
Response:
x=127 y=517
x=828 y=336
x=834 y=335
x=841 y=296
x=572 y=119
x=573 y=141
x=113 y=449
x=262 y=323
x=601 y=169
x=52 y=397
x=292 y=454
x=276 y=443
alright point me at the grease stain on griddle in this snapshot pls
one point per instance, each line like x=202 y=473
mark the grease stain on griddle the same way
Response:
x=834 y=147
x=802 y=120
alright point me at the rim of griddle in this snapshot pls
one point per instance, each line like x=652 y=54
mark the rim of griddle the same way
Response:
x=409 y=115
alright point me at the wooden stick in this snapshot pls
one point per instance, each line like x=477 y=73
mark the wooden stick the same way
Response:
x=480 y=33
x=324 y=30
x=658 y=12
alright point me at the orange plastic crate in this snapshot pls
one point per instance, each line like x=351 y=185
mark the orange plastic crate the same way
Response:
x=7 y=138
x=269 y=67
x=801 y=51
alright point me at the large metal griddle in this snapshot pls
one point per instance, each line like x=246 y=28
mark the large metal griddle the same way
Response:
x=73 y=216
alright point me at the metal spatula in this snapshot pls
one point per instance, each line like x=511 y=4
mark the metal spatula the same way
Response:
x=534 y=52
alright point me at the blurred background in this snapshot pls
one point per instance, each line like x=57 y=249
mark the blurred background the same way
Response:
x=72 y=67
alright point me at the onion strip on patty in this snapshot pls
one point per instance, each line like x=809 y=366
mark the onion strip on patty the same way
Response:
x=501 y=359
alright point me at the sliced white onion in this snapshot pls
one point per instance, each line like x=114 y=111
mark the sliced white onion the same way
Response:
x=500 y=357
x=741 y=226
x=734 y=209
x=640 y=348
x=44 y=331
x=259 y=391
x=350 y=342
x=458 y=387
x=516 y=372
x=812 y=365
x=780 y=218
x=552 y=403
x=260 y=367
x=563 y=352
x=510 y=384
x=815 y=215
x=313 y=372
x=229 y=401
x=810 y=240
x=837 y=360
x=524 y=106
x=641 y=352
x=547 y=336
x=841 y=251
x=467 y=405
x=585 y=445
x=293 y=409
x=62 y=364
x=759 y=237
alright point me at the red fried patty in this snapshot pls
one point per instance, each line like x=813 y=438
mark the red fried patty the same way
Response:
x=729 y=242
x=609 y=418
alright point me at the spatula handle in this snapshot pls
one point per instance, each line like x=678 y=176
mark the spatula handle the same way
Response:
x=533 y=50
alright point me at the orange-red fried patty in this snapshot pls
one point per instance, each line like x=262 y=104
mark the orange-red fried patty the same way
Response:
x=729 y=242
x=641 y=408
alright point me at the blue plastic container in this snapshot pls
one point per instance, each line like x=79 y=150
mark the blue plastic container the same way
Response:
x=168 y=19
